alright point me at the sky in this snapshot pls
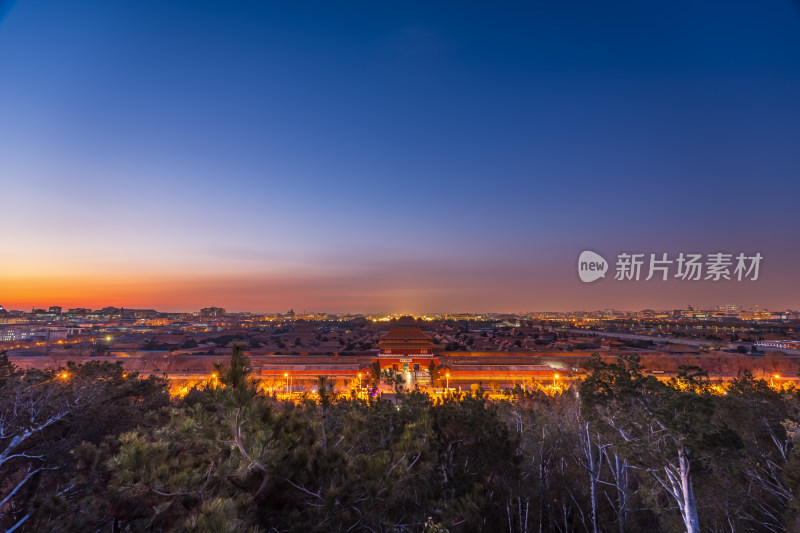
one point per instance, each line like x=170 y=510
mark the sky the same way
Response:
x=408 y=157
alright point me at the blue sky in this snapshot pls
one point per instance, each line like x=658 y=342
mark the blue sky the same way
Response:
x=411 y=156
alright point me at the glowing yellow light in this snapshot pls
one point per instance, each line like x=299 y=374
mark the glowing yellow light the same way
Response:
x=64 y=375
x=777 y=376
x=556 y=376
x=286 y=374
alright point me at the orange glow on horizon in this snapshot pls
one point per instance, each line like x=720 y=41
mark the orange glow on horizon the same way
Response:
x=256 y=292
x=440 y=289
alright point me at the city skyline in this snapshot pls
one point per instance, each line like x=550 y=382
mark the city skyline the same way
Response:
x=371 y=158
x=430 y=314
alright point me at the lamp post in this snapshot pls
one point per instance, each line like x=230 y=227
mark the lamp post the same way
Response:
x=359 y=382
x=447 y=376
x=776 y=376
x=555 y=377
x=286 y=375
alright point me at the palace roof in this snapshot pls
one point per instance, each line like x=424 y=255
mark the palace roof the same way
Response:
x=406 y=339
x=405 y=334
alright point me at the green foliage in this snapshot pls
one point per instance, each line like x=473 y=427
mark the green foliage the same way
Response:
x=228 y=458
x=46 y=420
x=375 y=374
x=436 y=375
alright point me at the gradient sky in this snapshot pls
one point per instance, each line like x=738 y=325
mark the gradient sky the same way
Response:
x=393 y=156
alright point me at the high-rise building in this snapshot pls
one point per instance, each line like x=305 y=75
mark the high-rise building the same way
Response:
x=212 y=311
x=55 y=310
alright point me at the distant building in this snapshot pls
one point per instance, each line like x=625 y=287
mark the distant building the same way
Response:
x=3 y=311
x=57 y=334
x=25 y=333
x=138 y=313
x=780 y=344
x=405 y=322
x=54 y=310
x=212 y=312
x=682 y=349
x=406 y=348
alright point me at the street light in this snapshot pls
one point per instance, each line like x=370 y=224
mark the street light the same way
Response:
x=286 y=375
x=447 y=375
x=359 y=382
x=555 y=377
x=776 y=376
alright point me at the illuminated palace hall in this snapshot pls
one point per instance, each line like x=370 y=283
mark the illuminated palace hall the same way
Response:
x=406 y=347
x=419 y=358
x=408 y=350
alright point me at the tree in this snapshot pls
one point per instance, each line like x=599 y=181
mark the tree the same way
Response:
x=764 y=419
x=326 y=395
x=218 y=453
x=624 y=452
x=45 y=414
x=668 y=428
x=435 y=375
x=375 y=374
